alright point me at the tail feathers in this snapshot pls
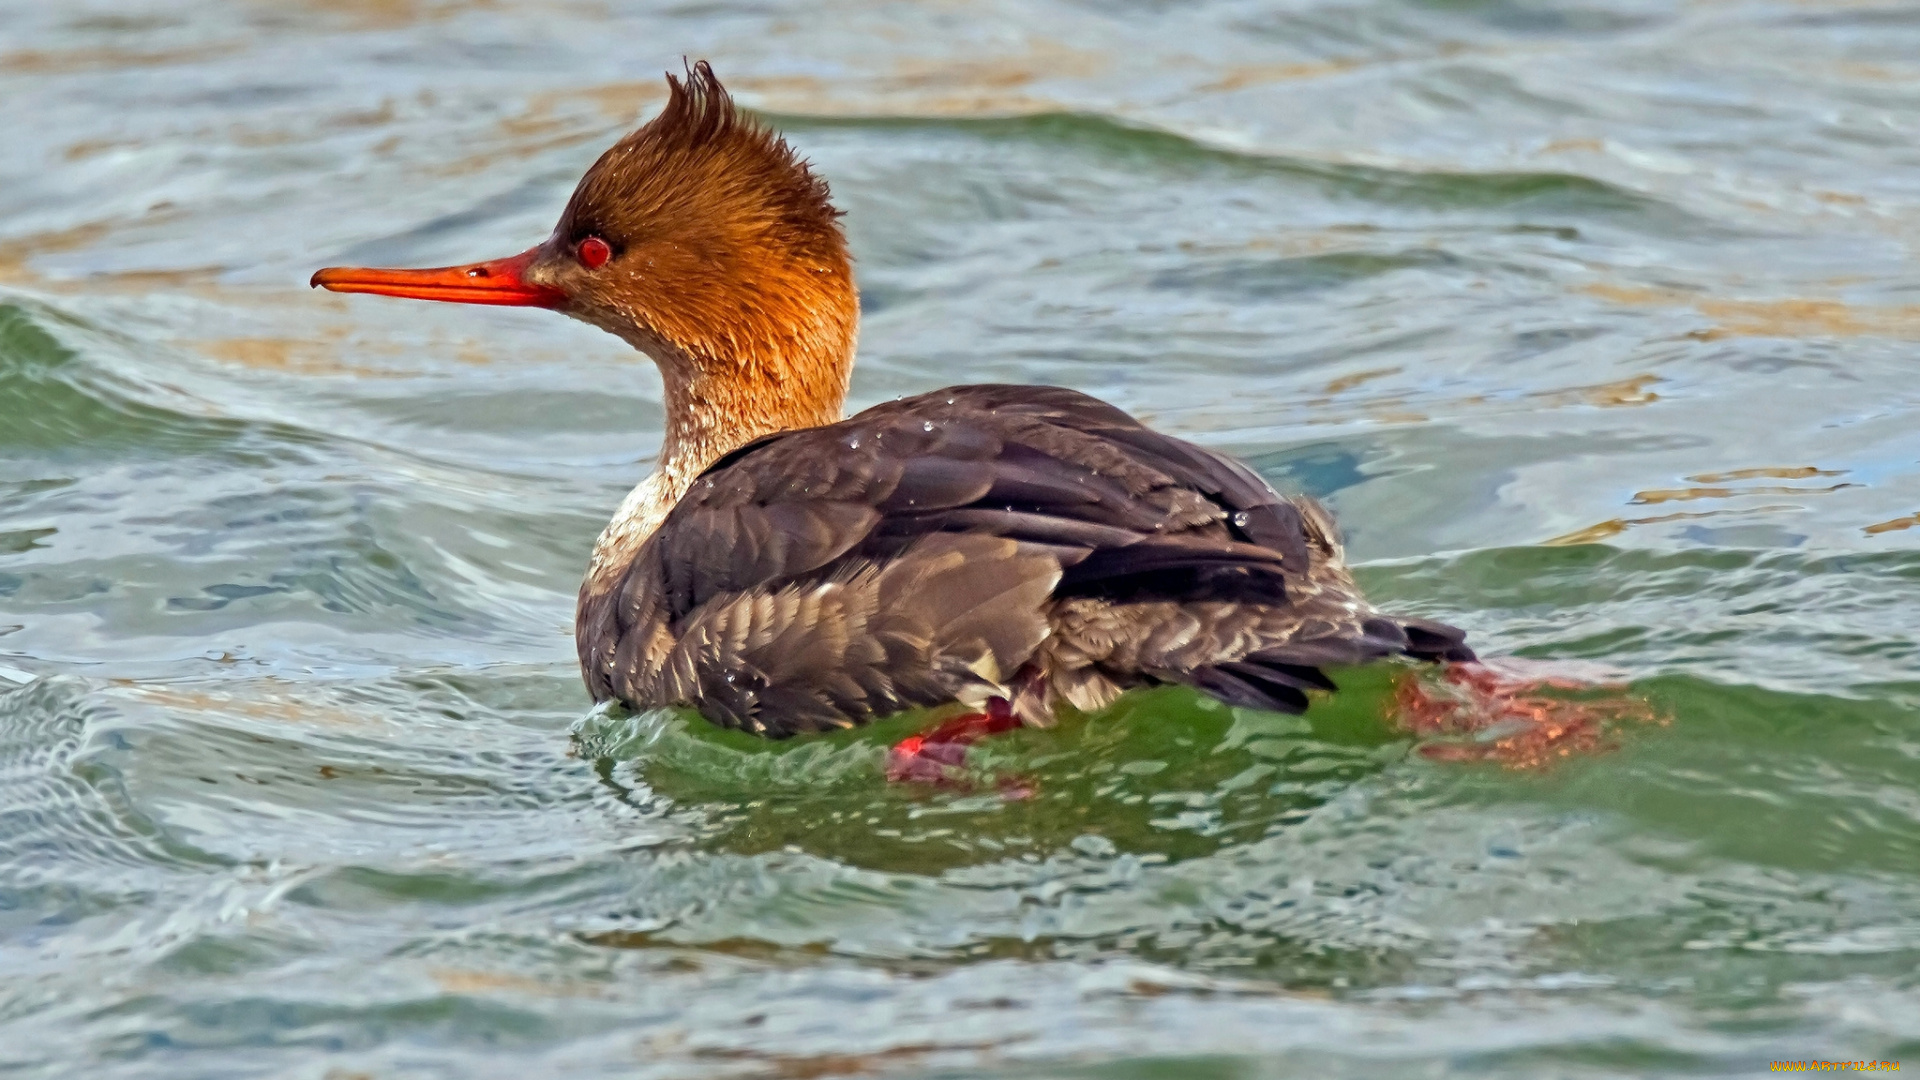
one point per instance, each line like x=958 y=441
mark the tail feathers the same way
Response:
x=1256 y=686
x=1279 y=678
x=1256 y=683
x=1429 y=640
x=1379 y=638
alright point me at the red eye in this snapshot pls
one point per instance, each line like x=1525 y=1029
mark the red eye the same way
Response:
x=594 y=253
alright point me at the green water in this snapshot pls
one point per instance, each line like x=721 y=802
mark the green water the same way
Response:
x=1596 y=324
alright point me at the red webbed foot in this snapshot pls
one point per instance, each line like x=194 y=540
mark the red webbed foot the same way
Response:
x=938 y=756
x=1520 y=713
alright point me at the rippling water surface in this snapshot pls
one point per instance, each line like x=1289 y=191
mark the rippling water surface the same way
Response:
x=1595 y=322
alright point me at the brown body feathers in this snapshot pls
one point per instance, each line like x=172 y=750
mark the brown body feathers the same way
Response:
x=1024 y=542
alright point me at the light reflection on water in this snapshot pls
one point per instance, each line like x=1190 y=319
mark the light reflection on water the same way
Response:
x=1594 y=323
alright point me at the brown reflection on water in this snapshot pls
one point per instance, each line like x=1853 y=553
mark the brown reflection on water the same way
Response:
x=1711 y=489
x=1663 y=495
x=1042 y=59
x=932 y=86
x=890 y=1060
x=558 y=119
x=1347 y=382
x=804 y=95
x=67 y=61
x=1572 y=146
x=1798 y=472
x=18 y=253
x=742 y=948
x=15 y=254
x=292 y=356
x=1607 y=395
x=383 y=14
x=1394 y=407
x=1896 y=525
x=1594 y=534
x=267 y=699
x=241 y=135
x=1786 y=317
x=1241 y=76
x=468 y=982
x=942 y=86
x=624 y=102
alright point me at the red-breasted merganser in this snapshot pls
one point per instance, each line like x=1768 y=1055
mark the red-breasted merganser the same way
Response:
x=784 y=570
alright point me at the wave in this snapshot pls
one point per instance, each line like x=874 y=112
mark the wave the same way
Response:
x=1148 y=151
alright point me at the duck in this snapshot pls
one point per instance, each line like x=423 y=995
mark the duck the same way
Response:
x=786 y=569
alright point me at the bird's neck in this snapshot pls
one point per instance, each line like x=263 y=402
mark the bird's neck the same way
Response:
x=715 y=405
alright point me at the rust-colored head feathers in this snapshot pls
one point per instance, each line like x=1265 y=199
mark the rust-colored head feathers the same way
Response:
x=701 y=162
x=705 y=242
x=725 y=256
